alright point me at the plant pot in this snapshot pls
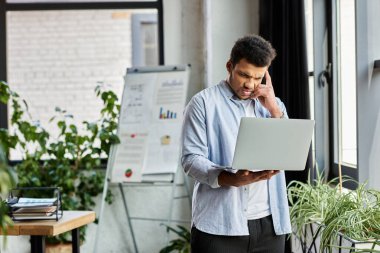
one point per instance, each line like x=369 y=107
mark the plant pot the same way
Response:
x=311 y=243
x=58 y=248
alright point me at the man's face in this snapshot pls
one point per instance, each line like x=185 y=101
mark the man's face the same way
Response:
x=244 y=77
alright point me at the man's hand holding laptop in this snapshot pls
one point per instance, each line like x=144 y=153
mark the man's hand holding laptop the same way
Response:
x=244 y=177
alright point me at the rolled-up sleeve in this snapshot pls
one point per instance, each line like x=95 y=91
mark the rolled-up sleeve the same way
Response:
x=195 y=152
x=283 y=108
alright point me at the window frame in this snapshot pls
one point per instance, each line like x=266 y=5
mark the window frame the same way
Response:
x=333 y=101
x=138 y=53
x=325 y=93
x=5 y=7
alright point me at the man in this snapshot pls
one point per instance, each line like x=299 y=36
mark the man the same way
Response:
x=241 y=211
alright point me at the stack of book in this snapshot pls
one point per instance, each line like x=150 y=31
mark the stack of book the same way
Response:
x=34 y=208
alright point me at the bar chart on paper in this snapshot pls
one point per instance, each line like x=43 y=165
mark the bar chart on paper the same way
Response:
x=149 y=126
x=167 y=114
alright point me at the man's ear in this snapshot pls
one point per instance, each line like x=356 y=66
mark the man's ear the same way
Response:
x=229 y=66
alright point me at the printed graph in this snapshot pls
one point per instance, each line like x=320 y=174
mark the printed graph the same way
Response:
x=167 y=114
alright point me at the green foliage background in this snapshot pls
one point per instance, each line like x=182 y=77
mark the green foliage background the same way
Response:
x=72 y=160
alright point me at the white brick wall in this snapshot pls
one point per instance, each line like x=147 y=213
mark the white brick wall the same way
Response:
x=56 y=58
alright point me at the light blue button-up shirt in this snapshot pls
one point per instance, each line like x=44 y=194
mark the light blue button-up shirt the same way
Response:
x=209 y=133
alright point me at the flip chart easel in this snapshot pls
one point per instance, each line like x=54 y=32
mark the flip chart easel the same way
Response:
x=149 y=129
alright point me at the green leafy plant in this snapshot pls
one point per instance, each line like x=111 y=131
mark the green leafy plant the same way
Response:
x=7 y=181
x=181 y=244
x=352 y=214
x=70 y=160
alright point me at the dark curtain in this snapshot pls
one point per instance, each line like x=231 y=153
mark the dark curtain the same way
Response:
x=282 y=22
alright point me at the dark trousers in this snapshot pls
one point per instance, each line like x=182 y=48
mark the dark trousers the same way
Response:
x=261 y=239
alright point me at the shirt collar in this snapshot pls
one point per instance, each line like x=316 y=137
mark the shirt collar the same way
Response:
x=226 y=89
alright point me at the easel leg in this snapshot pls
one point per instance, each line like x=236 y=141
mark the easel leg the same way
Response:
x=170 y=215
x=111 y=159
x=100 y=219
x=128 y=217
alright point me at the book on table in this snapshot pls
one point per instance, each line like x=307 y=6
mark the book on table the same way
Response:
x=35 y=202
x=34 y=211
x=34 y=208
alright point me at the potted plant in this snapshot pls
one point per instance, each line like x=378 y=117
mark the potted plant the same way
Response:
x=72 y=159
x=351 y=215
x=181 y=244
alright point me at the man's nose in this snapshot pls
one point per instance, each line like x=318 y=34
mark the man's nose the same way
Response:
x=250 y=83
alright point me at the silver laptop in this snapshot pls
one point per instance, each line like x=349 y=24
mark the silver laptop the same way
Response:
x=272 y=144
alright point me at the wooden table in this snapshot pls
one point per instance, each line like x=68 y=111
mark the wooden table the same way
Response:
x=39 y=229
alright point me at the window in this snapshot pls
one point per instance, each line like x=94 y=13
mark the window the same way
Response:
x=346 y=67
x=343 y=102
x=144 y=44
x=310 y=60
x=330 y=25
x=57 y=57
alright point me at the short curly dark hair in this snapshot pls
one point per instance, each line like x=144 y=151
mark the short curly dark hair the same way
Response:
x=255 y=49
